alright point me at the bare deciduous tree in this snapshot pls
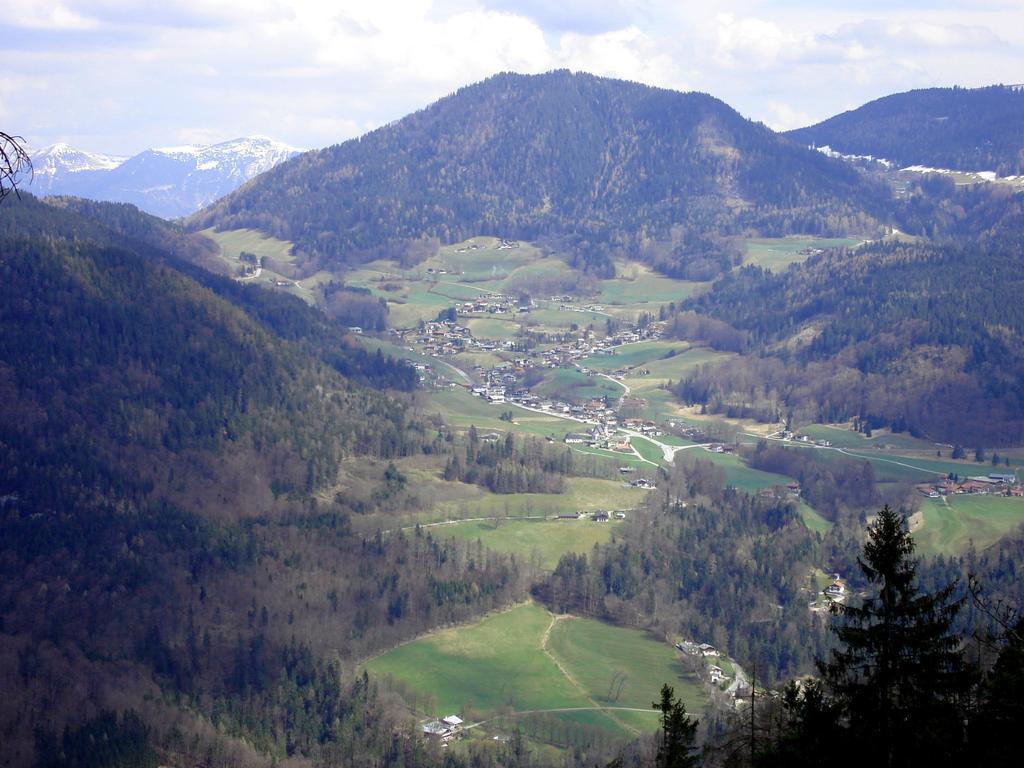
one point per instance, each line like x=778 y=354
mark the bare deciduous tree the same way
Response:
x=14 y=162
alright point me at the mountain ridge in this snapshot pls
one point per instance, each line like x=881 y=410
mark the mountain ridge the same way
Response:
x=598 y=166
x=963 y=129
x=166 y=181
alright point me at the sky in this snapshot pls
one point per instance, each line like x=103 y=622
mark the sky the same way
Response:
x=120 y=76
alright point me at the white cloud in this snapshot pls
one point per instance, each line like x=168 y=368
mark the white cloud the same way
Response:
x=629 y=54
x=44 y=14
x=782 y=117
x=321 y=72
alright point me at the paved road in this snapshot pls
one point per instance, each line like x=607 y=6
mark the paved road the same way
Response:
x=845 y=452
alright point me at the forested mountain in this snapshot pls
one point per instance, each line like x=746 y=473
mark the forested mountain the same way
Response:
x=925 y=337
x=168 y=182
x=174 y=531
x=595 y=165
x=968 y=129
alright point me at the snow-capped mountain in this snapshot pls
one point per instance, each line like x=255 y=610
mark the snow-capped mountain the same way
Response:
x=167 y=182
x=56 y=161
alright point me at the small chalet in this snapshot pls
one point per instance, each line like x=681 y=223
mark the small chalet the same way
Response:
x=835 y=589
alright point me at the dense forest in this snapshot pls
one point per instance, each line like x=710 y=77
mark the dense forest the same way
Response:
x=590 y=166
x=705 y=563
x=173 y=514
x=501 y=466
x=912 y=336
x=968 y=129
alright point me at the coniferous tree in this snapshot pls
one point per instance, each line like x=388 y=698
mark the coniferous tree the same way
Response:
x=1000 y=720
x=678 y=732
x=899 y=679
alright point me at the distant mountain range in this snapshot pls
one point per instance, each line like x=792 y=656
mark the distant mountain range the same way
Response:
x=599 y=166
x=964 y=129
x=168 y=182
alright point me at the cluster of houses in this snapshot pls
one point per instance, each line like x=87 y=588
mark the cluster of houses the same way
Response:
x=697 y=649
x=787 y=434
x=781 y=492
x=493 y=304
x=503 y=245
x=996 y=484
x=601 y=435
x=444 y=338
x=443 y=729
x=643 y=426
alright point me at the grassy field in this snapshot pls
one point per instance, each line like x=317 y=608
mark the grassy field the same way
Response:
x=842 y=437
x=540 y=541
x=554 y=319
x=637 y=285
x=512 y=659
x=581 y=494
x=487 y=328
x=449 y=371
x=593 y=653
x=647 y=449
x=894 y=466
x=777 y=253
x=951 y=525
x=737 y=473
x=634 y=354
x=233 y=242
x=276 y=254
x=460 y=409
x=572 y=386
x=813 y=520
x=666 y=369
x=480 y=259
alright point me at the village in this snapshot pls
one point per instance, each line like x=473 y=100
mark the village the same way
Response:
x=994 y=484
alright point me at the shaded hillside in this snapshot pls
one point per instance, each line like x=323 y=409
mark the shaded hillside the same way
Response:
x=174 y=516
x=928 y=338
x=286 y=317
x=979 y=129
x=593 y=164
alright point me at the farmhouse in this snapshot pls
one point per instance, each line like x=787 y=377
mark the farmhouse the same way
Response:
x=443 y=730
x=435 y=730
x=835 y=589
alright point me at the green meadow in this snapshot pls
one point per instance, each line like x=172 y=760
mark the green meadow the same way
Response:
x=777 y=253
x=233 y=242
x=598 y=655
x=540 y=541
x=952 y=524
x=638 y=285
x=276 y=255
x=737 y=473
x=634 y=354
x=525 y=659
x=573 y=386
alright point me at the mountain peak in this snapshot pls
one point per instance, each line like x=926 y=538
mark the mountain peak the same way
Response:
x=584 y=160
x=166 y=181
x=63 y=158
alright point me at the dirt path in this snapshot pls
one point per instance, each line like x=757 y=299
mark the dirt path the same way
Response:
x=457 y=520
x=573 y=681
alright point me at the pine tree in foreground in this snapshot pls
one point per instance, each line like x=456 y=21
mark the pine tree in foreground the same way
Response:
x=678 y=732
x=894 y=694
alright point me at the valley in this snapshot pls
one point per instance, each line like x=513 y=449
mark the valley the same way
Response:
x=455 y=443
x=508 y=339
